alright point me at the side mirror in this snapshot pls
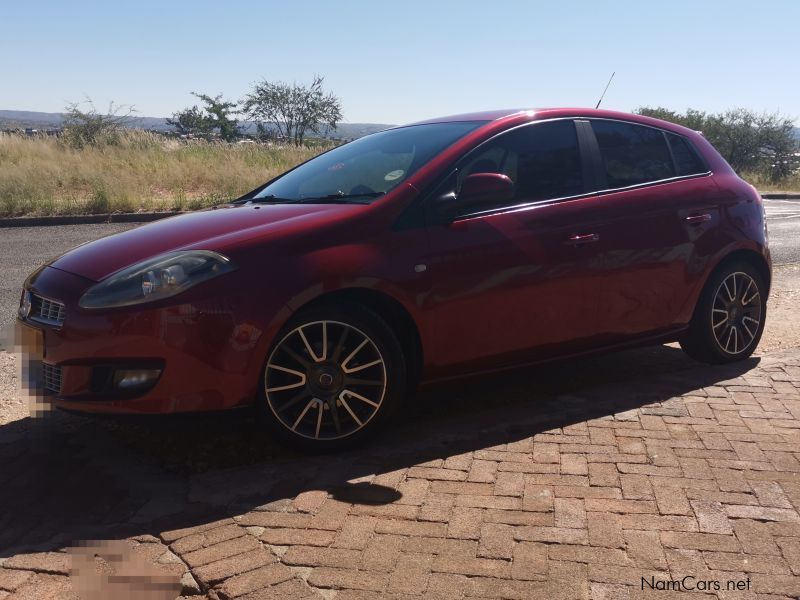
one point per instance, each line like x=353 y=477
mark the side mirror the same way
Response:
x=478 y=189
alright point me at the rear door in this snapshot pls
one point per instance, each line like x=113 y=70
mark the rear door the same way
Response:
x=658 y=205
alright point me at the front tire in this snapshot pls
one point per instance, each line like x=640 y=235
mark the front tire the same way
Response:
x=334 y=378
x=729 y=317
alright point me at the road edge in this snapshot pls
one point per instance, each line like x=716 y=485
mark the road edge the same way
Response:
x=142 y=217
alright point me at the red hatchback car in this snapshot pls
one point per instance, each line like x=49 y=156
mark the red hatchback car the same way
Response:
x=449 y=247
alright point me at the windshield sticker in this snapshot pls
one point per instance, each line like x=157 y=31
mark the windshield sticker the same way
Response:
x=392 y=175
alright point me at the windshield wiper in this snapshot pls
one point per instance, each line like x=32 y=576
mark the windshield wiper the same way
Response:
x=340 y=197
x=266 y=199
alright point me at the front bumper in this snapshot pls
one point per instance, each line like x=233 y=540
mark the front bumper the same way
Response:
x=209 y=348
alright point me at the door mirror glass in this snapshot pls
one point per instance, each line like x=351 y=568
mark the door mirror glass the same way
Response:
x=483 y=189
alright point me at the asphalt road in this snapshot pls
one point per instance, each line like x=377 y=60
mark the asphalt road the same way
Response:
x=23 y=249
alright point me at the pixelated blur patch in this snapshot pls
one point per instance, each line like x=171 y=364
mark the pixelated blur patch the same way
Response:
x=115 y=569
x=27 y=344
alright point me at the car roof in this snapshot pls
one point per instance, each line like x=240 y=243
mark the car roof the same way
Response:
x=534 y=114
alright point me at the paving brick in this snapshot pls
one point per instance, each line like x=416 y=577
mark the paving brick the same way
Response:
x=411 y=574
x=644 y=549
x=175 y=534
x=672 y=501
x=328 y=577
x=213 y=573
x=605 y=530
x=750 y=563
x=314 y=556
x=636 y=487
x=483 y=471
x=476 y=567
x=416 y=528
x=11 y=579
x=465 y=523
x=42 y=562
x=699 y=541
x=207 y=538
x=755 y=537
x=762 y=513
x=383 y=550
x=305 y=537
x=553 y=535
x=222 y=550
x=355 y=533
x=291 y=588
x=588 y=554
x=265 y=576
x=569 y=513
x=529 y=560
x=711 y=517
x=537 y=498
x=496 y=541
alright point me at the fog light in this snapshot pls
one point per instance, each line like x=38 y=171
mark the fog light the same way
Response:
x=131 y=379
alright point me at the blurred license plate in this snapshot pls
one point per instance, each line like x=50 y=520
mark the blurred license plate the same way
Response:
x=30 y=340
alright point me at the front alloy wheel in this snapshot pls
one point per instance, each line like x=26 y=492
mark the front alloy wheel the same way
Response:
x=333 y=377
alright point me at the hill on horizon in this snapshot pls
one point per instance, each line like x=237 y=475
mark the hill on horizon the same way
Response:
x=12 y=119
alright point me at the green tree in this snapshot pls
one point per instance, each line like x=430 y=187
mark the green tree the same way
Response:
x=293 y=109
x=190 y=121
x=751 y=142
x=85 y=126
x=215 y=116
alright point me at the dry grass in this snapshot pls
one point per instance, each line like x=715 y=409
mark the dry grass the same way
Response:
x=143 y=171
x=764 y=184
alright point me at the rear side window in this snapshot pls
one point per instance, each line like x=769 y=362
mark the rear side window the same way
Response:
x=543 y=161
x=632 y=154
x=686 y=159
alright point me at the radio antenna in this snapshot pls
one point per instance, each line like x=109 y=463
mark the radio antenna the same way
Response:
x=605 y=90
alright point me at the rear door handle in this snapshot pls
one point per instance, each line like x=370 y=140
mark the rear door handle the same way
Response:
x=582 y=238
x=698 y=218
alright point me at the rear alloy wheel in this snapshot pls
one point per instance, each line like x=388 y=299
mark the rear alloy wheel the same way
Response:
x=333 y=378
x=729 y=319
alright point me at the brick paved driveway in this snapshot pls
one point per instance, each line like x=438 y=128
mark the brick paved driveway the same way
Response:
x=568 y=481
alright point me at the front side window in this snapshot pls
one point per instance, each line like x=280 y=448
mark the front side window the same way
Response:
x=543 y=160
x=369 y=167
x=632 y=154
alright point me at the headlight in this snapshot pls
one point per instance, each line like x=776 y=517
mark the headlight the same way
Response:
x=156 y=278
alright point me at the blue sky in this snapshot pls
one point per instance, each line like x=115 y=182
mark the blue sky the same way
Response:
x=395 y=62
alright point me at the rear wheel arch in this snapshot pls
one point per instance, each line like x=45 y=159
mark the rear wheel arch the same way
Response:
x=749 y=256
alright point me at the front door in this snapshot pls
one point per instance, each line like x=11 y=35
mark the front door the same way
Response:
x=510 y=282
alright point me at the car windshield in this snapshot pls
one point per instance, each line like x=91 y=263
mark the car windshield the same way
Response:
x=366 y=168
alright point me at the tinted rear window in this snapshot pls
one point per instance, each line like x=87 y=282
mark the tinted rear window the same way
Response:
x=686 y=159
x=632 y=154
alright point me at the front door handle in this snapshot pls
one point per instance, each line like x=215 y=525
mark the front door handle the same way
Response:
x=698 y=218
x=582 y=239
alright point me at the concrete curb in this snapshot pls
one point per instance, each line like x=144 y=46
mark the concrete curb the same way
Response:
x=781 y=196
x=142 y=217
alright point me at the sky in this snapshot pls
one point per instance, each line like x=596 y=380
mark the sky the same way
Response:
x=397 y=62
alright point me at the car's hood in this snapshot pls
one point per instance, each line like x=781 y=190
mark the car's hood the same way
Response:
x=208 y=229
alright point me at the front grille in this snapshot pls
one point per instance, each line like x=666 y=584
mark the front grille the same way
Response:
x=52 y=378
x=47 y=311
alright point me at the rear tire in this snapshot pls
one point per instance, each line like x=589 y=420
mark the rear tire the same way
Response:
x=334 y=377
x=729 y=317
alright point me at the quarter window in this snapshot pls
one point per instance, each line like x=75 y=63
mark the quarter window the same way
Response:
x=632 y=154
x=686 y=159
x=543 y=161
